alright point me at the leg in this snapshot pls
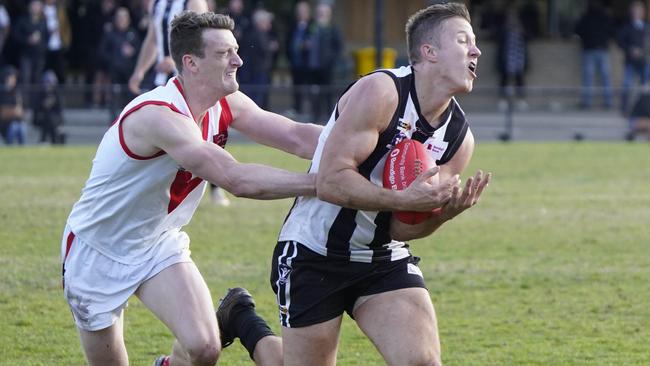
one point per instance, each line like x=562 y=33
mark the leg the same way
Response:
x=628 y=77
x=587 y=75
x=268 y=351
x=106 y=346
x=604 y=69
x=312 y=345
x=180 y=298
x=402 y=325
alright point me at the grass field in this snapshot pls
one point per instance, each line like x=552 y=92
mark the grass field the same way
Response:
x=551 y=268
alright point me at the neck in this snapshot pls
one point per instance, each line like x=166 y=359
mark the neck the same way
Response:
x=198 y=97
x=433 y=95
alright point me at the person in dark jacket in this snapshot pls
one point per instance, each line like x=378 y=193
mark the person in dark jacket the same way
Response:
x=258 y=49
x=631 y=39
x=324 y=54
x=48 y=112
x=32 y=35
x=298 y=47
x=512 y=57
x=119 y=51
x=640 y=115
x=594 y=29
x=12 y=126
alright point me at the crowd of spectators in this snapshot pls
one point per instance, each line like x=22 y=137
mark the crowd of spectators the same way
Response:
x=95 y=44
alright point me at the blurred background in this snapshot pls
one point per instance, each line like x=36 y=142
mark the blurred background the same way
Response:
x=550 y=69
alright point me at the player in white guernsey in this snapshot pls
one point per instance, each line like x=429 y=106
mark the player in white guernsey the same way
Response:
x=124 y=236
x=343 y=251
x=155 y=50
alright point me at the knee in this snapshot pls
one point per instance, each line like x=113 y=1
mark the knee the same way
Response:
x=205 y=354
x=424 y=358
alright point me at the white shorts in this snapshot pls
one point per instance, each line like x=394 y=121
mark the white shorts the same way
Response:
x=97 y=287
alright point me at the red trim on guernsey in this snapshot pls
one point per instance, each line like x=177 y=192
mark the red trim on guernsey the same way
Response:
x=224 y=122
x=226 y=115
x=180 y=89
x=206 y=118
x=182 y=186
x=68 y=244
x=183 y=183
x=127 y=113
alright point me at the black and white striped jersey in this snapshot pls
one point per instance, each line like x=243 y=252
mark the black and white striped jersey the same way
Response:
x=163 y=13
x=363 y=236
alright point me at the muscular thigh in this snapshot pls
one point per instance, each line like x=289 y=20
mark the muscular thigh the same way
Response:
x=179 y=297
x=402 y=325
x=312 y=345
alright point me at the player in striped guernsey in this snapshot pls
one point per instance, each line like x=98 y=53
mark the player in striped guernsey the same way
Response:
x=155 y=48
x=124 y=236
x=343 y=251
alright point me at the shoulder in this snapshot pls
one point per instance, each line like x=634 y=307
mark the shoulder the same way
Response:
x=240 y=105
x=378 y=85
x=151 y=117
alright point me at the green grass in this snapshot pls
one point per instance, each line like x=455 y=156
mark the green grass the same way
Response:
x=551 y=268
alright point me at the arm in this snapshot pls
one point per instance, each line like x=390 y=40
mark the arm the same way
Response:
x=155 y=128
x=364 y=111
x=146 y=58
x=460 y=200
x=199 y=6
x=272 y=129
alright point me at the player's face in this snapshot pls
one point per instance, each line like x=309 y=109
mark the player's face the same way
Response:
x=458 y=54
x=221 y=61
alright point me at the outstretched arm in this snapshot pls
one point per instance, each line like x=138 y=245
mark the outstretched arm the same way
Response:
x=272 y=129
x=146 y=59
x=155 y=128
x=364 y=112
x=461 y=199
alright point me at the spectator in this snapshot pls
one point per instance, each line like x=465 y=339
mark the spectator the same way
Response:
x=48 y=113
x=140 y=16
x=298 y=46
x=33 y=36
x=631 y=40
x=5 y=24
x=236 y=12
x=119 y=51
x=594 y=29
x=104 y=16
x=512 y=59
x=59 y=40
x=258 y=48
x=12 y=127
x=324 y=54
x=640 y=116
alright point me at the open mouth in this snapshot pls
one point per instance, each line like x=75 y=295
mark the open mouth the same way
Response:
x=472 y=68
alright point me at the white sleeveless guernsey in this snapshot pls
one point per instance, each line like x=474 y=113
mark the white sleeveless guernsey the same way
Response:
x=129 y=202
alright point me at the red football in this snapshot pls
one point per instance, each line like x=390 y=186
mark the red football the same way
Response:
x=404 y=163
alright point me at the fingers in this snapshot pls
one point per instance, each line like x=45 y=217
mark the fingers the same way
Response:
x=484 y=183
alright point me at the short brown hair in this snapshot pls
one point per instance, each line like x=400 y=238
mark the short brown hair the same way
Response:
x=422 y=26
x=186 y=36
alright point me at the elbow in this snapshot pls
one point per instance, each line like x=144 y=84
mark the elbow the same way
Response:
x=241 y=187
x=244 y=190
x=327 y=191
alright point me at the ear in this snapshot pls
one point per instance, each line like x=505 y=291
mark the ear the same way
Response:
x=189 y=63
x=429 y=52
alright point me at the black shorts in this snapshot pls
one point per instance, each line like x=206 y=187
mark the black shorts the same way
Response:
x=312 y=288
